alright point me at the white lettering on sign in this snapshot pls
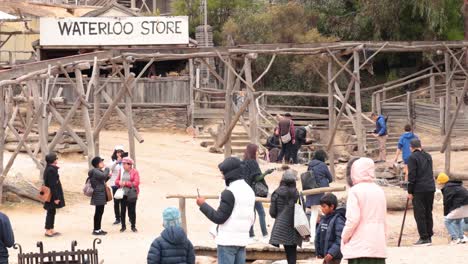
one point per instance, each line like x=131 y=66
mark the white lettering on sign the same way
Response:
x=98 y=31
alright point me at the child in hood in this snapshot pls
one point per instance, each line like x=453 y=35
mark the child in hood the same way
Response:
x=455 y=207
x=328 y=234
x=172 y=246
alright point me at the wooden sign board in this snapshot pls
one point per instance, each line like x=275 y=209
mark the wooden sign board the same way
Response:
x=104 y=31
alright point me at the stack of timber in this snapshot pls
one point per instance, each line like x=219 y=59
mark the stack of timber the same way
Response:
x=65 y=145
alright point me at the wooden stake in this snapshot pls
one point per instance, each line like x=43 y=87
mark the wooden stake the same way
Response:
x=331 y=116
x=183 y=215
x=340 y=113
x=65 y=124
x=128 y=110
x=228 y=110
x=85 y=116
x=72 y=133
x=192 y=95
x=432 y=89
x=357 y=91
x=448 y=86
x=3 y=119
x=253 y=113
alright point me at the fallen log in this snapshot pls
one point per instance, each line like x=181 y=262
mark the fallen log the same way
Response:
x=457 y=147
x=19 y=185
x=72 y=148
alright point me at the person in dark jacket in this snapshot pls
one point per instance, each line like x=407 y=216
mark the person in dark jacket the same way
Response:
x=421 y=189
x=274 y=146
x=328 y=234
x=287 y=134
x=323 y=177
x=98 y=179
x=251 y=174
x=455 y=207
x=282 y=205
x=381 y=134
x=52 y=181
x=7 y=238
x=301 y=139
x=173 y=246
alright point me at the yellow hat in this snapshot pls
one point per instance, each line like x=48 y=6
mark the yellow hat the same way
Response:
x=442 y=178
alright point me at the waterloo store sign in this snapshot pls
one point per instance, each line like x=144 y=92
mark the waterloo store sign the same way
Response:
x=92 y=31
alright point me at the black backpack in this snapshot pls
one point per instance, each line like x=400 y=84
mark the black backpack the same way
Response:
x=308 y=181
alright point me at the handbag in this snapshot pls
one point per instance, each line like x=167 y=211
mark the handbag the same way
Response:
x=301 y=224
x=108 y=193
x=119 y=194
x=88 y=189
x=260 y=189
x=132 y=195
x=309 y=181
x=44 y=194
x=286 y=138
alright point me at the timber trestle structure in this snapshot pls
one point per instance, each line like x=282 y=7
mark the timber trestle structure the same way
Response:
x=74 y=256
x=345 y=60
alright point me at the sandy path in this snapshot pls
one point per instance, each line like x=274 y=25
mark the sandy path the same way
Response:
x=168 y=164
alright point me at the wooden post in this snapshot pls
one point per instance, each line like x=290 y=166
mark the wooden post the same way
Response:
x=357 y=91
x=229 y=80
x=378 y=104
x=373 y=103
x=97 y=116
x=449 y=129
x=41 y=121
x=331 y=116
x=85 y=116
x=448 y=86
x=409 y=108
x=252 y=108
x=442 y=115
x=432 y=85
x=183 y=215
x=2 y=136
x=128 y=110
x=192 y=95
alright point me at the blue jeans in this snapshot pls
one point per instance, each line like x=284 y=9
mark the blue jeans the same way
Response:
x=261 y=216
x=231 y=255
x=455 y=228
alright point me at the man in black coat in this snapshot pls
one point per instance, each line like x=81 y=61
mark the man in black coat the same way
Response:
x=421 y=189
x=52 y=181
x=7 y=238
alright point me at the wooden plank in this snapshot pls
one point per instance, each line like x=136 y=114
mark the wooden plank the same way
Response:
x=288 y=93
x=448 y=84
x=228 y=109
x=331 y=116
x=129 y=113
x=70 y=131
x=85 y=115
x=357 y=92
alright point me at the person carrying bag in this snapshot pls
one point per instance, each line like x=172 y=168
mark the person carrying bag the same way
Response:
x=129 y=181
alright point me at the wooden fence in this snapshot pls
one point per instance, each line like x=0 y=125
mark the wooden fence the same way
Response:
x=431 y=117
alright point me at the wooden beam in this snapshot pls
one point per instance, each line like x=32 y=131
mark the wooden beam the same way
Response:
x=65 y=124
x=449 y=129
x=342 y=66
x=183 y=214
x=249 y=85
x=340 y=71
x=331 y=116
x=253 y=122
x=69 y=129
x=373 y=55
x=267 y=70
x=340 y=113
x=357 y=91
x=85 y=115
x=3 y=119
x=228 y=109
x=448 y=87
x=191 y=94
x=213 y=71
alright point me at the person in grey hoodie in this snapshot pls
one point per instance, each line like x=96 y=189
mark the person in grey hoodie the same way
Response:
x=7 y=238
x=98 y=179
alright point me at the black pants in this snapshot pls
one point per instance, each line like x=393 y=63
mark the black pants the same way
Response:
x=422 y=207
x=116 y=204
x=291 y=253
x=131 y=212
x=98 y=217
x=294 y=151
x=50 y=218
x=286 y=150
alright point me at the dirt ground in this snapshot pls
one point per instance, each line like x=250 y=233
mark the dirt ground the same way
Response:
x=175 y=164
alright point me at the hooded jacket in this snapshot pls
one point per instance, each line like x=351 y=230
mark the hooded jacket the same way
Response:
x=420 y=174
x=7 y=238
x=282 y=205
x=98 y=180
x=235 y=213
x=52 y=180
x=328 y=234
x=172 y=247
x=322 y=176
x=404 y=145
x=455 y=196
x=364 y=234
x=251 y=171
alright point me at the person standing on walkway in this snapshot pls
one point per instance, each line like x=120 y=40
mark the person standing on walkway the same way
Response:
x=421 y=189
x=7 y=238
x=129 y=180
x=235 y=214
x=381 y=134
x=282 y=205
x=404 y=147
x=363 y=240
x=115 y=167
x=287 y=134
x=323 y=177
x=57 y=200
x=98 y=179
x=300 y=140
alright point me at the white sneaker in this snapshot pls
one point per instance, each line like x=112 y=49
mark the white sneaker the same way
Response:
x=454 y=242
x=464 y=240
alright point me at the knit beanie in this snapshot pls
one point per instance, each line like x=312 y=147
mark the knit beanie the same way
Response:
x=171 y=217
x=442 y=178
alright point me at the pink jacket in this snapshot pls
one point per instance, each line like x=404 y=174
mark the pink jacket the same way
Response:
x=364 y=234
x=134 y=180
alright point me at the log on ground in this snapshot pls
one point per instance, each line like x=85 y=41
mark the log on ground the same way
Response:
x=19 y=185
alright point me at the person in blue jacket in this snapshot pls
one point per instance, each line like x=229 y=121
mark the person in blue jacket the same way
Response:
x=404 y=147
x=7 y=238
x=173 y=246
x=328 y=234
x=380 y=133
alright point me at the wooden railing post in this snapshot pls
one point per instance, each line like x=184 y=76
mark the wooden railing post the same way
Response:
x=183 y=216
x=442 y=115
x=432 y=90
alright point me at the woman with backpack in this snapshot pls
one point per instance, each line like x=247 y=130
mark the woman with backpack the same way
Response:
x=98 y=178
x=253 y=176
x=129 y=181
x=282 y=205
x=319 y=170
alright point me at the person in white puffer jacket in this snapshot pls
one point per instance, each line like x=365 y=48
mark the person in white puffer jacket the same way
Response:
x=115 y=166
x=235 y=214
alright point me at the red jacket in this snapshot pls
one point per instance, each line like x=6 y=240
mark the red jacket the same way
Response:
x=134 y=180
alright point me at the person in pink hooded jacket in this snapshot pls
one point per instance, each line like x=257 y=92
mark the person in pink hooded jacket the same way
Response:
x=363 y=240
